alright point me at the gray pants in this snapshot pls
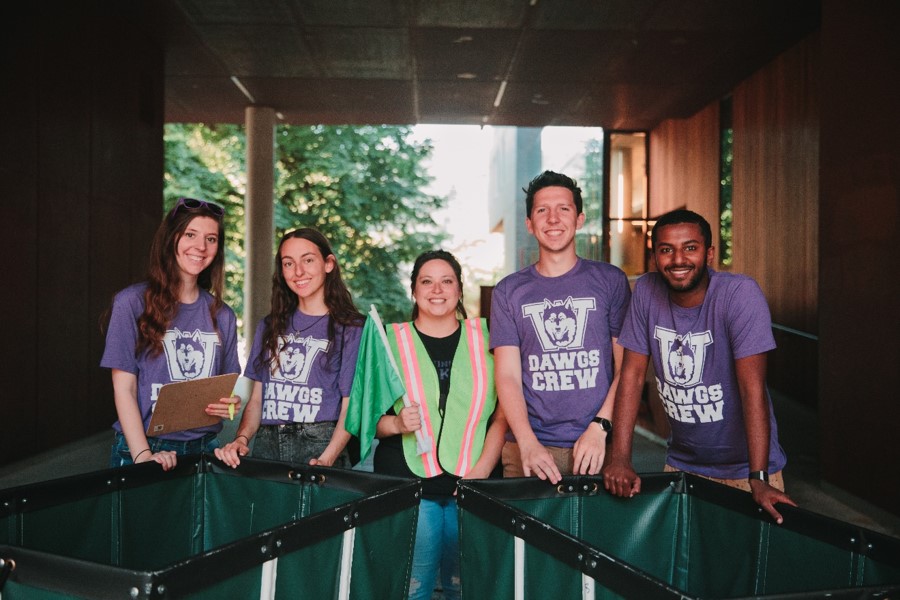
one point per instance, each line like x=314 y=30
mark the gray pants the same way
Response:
x=297 y=443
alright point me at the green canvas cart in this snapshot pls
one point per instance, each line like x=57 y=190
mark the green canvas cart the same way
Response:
x=681 y=537
x=204 y=531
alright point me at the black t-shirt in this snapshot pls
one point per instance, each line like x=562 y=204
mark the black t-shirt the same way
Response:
x=389 y=458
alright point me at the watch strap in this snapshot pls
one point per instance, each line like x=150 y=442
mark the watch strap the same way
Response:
x=760 y=475
x=605 y=425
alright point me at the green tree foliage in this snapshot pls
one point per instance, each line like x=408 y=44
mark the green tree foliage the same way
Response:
x=589 y=241
x=208 y=163
x=361 y=186
x=726 y=239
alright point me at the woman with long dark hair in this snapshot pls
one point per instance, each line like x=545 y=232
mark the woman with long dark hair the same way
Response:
x=302 y=361
x=172 y=327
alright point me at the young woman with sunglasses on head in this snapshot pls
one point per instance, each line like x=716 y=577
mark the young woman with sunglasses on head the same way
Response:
x=172 y=327
x=302 y=361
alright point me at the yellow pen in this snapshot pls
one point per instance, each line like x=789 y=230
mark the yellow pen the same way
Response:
x=231 y=411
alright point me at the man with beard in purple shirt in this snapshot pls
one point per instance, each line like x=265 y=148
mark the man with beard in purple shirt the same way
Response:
x=708 y=334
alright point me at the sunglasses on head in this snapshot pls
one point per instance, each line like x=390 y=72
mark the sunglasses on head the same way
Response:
x=194 y=204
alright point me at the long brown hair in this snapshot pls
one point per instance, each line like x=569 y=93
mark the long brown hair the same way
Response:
x=338 y=299
x=162 y=296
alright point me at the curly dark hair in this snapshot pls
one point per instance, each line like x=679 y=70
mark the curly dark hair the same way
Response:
x=338 y=300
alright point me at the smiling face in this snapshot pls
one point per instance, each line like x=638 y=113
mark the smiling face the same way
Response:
x=304 y=268
x=682 y=258
x=554 y=219
x=197 y=246
x=437 y=290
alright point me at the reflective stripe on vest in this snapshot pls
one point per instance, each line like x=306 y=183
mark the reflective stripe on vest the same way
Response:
x=471 y=400
x=479 y=392
x=409 y=365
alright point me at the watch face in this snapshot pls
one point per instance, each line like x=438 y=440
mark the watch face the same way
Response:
x=604 y=423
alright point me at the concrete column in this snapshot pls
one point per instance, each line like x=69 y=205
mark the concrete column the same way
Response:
x=259 y=226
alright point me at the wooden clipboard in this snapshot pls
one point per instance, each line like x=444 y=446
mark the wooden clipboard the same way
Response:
x=182 y=405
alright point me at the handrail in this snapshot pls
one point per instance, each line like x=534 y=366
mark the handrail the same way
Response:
x=803 y=334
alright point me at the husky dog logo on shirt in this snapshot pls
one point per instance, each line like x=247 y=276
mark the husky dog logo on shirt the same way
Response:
x=189 y=354
x=560 y=324
x=190 y=357
x=684 y=355
x=292 y=358
x=296 y=356
x=681 y=362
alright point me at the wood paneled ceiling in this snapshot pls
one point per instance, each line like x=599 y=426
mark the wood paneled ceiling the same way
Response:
x=622 y=64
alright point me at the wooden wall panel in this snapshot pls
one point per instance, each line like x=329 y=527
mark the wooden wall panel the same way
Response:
x=19 y=241
x=776 y=185
x=860 y=233
x=684 y=166
x=776 y=207
x=64 y=135
x=18 y=346
x=82 y=178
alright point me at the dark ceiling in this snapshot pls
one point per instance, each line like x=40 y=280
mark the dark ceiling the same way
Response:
x=621 y=64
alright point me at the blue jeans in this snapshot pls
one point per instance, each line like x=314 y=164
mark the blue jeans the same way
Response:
x=297 y=443
x=436 y=549
x=120 y=455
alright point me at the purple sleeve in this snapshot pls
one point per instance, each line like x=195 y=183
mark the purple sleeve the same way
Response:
x=352 y=336
x=633 y=335
x=253 y=370
x=749 y=320
x=618 y=306
x=503 y=327
x=228 y=331
x=122 y=333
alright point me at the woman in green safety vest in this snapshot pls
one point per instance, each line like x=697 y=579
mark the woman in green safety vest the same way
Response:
x=448 y=373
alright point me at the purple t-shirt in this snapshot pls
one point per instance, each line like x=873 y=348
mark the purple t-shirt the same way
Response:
x=693 y=352
x=191 y=350
x=314 y=375
x=563 y=327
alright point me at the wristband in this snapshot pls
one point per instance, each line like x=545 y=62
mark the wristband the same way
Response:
x=141 y=452
x=760 y=475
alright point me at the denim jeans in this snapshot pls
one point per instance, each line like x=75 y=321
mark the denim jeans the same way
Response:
x=297 y=443
x=121 y=454
x=436 y=549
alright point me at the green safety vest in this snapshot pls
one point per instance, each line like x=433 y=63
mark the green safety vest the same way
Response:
x=458 y=437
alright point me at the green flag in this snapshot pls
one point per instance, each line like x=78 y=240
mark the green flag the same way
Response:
x=376 y=386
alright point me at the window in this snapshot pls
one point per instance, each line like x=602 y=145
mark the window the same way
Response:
x=628 y=201
x=726 y=157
